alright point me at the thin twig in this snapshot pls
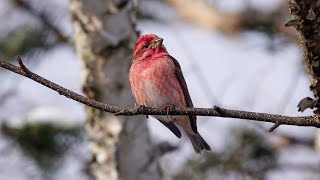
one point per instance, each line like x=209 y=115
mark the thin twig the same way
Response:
x=275 y=126
x=130 y=111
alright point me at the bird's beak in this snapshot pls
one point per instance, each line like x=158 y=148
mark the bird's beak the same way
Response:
x=157 y=43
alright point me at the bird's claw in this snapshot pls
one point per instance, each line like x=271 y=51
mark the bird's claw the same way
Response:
x=141 y=107
x=168 y=108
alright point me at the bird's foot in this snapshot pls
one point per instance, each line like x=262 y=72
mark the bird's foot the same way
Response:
x=140 y=107
x=168 y=108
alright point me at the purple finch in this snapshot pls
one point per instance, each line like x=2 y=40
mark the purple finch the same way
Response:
x=157 y=81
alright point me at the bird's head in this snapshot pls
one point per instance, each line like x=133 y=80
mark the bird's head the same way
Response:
x=147 y=46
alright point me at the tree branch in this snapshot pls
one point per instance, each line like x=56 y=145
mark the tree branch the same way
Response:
x=313 y=121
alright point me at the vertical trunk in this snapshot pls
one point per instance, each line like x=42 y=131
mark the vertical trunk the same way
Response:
x=104 y=37
x=306 y=20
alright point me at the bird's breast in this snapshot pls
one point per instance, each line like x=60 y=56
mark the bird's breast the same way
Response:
x=154 y=84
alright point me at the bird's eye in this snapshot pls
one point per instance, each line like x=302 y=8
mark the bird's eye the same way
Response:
x=146 y=46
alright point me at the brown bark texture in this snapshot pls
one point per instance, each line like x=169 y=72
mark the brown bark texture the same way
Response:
x=104 y=38
x=306 y=20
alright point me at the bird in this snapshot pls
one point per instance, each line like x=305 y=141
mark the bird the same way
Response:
x=157 y=81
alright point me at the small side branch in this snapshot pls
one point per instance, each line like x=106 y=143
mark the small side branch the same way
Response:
x=275 y=126
x=313 y=121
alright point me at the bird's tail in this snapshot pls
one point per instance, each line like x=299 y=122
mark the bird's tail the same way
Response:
x=198 y=143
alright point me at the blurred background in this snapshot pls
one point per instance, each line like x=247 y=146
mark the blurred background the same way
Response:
x=234 y=53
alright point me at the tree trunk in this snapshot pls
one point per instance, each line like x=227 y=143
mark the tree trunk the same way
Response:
x=104 y=39
x=306 y=20
x=307 y=23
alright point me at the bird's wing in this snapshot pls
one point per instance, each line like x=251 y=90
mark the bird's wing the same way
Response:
x=172 y=127
x=183 y=84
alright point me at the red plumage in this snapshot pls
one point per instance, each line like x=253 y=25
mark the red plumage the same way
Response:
x=157 y=81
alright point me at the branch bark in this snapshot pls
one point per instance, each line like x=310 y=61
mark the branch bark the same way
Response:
x=313 y=121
